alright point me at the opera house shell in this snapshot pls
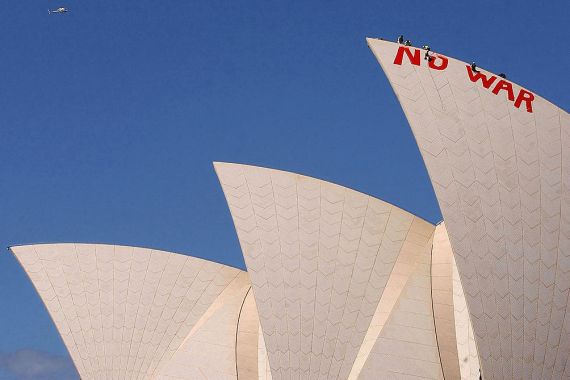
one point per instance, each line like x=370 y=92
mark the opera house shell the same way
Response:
x=499 y=160
x=341 y=285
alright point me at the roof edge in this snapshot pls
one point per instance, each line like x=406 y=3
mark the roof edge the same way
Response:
x=215 y=163
x=9 y=248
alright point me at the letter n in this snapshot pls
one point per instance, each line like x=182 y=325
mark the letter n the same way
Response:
x=413 y=57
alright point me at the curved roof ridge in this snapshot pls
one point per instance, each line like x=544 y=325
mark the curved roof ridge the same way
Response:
x=9 y=248
x=323 y=180
x=369 y=39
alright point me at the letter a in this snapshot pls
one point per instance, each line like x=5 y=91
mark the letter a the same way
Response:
x=414 y=59
x=504 y=85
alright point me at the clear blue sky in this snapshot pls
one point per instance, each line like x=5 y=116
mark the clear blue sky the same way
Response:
x=111 y=115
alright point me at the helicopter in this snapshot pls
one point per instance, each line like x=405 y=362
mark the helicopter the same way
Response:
x=58 y=10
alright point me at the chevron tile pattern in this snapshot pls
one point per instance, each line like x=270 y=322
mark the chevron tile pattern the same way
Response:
x=123 y=312
x=209 y=350
x=406 y=346
x=502 y=177
x=340 y=286
x=319 y=256
x=413 y=251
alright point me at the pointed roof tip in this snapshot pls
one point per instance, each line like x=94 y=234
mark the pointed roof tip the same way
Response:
x=374 y=41
x=23 y=246
x=369 y=39
x=223 y=163
x=15 y=247
x=11 y=248
x=219 y=164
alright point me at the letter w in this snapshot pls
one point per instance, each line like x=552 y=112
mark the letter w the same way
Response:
x=487 y=82
x=413 y=57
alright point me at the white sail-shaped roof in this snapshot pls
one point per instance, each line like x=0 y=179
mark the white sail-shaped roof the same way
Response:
x=343 y=286
x=137 y=313
x=319 y=256
x=209 y=350
x=499 y=160
x=404 y=342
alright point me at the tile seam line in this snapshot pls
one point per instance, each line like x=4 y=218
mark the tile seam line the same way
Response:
x=154 y=353
x=433 y=309
x=557 y=252
x=329 y=360
x=149 y=314
x=281 y=253
x=540 y=245
x=373 y=266
x=348 y=292
x=237 y=330
x=316 y=274
x=87 y=304
x=180 y=303
x=243 y=173
x=396 y=302
x=131 y=352
x=123 y=329
x=568 y=296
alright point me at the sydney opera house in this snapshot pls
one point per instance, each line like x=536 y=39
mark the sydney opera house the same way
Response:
x=341 y=285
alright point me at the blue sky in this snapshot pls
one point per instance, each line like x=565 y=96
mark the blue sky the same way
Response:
x=111 y=115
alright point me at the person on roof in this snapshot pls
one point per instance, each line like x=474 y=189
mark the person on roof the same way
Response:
x=408 y=43
x=474 y=67
x=503 y=75
x=401 y=39
x=58 y=10
x=427 y=55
